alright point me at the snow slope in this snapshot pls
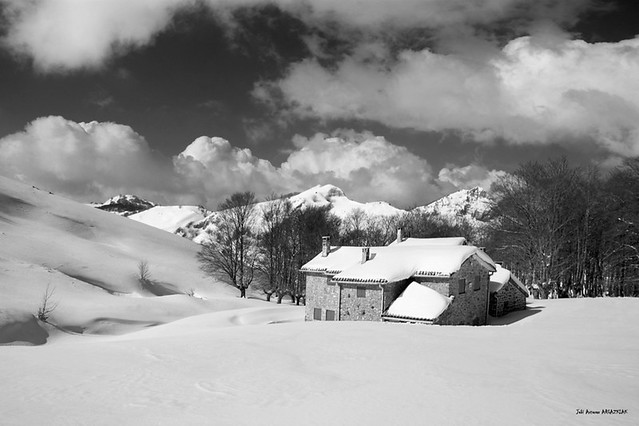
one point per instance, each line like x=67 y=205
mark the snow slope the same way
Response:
x=471 y=205
x=254 y=366
x=170 y=218
x=91 y=257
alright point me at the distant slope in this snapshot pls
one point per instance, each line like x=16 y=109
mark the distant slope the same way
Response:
x=91 y=257
x=124 y=205
x=196 y=223
x=471 y=205
x=171 y=218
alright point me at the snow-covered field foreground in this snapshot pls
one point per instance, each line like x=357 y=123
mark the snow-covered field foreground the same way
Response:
x=264 y=365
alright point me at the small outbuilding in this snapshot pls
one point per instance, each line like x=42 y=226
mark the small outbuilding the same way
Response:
x=507 y=292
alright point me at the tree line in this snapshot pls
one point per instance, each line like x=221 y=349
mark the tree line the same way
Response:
x=569 y=231
x=565 y=231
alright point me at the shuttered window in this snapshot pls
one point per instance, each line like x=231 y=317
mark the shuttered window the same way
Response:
x=330 y=315
x=462 y=285
x=477 y=283
x=361 y=291
x=317 y=314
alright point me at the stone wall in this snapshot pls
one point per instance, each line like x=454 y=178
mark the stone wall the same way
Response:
x=368 y=308
x=320 y=293
x=470 y=307
x=509 y=298
x=392 y=292
x=440 y=285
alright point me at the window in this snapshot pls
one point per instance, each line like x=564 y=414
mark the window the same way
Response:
x=330 y=315
x=317 y=314
x=462 y=285
x=477 y=283
x=361 y=291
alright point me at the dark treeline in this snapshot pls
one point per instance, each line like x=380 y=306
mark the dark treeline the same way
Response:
x=569 y=231
x=565 y=231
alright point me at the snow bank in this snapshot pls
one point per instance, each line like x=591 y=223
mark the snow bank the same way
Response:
x=419 y=302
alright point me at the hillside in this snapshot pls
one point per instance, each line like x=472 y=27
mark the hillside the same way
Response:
x=91 y=257
x=471 y=205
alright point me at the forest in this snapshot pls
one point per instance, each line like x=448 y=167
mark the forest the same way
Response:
x=565 y=231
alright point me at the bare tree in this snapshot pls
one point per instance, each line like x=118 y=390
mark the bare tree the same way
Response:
x=232 y=253
x=144 y=274
x=47 y=306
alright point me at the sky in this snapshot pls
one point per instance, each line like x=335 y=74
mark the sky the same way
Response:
x=188 y=101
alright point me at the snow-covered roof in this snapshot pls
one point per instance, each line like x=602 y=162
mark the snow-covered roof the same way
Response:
x=443 y=241
x=501 y=277
x=419 y=302
x=394 y=263
x=339 y=258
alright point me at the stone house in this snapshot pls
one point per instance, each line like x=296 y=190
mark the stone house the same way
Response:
x=507 y=293
x=408 y=281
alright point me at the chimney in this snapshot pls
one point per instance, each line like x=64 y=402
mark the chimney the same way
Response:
x=366 y=254
x=399 y=235
x=326 y=245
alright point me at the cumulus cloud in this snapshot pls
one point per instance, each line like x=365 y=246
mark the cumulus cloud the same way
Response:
x=94 y=161
x=71 y=34
x=535 y=90
x=366 y=166
x=213 y=168
x=470 y=176
x=87 y=161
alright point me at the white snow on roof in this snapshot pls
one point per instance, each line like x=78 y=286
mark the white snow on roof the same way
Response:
x=394 y=263
x=443 y=241
x=501 y=277
x=340 y=258
x=419 y=302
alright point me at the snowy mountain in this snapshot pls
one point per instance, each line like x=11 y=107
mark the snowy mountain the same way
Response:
x=341 y=205
x=124 y=205
x=471 y=205
x=197 y=223
x=317 y=196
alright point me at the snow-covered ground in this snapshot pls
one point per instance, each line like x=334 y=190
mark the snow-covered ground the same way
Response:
x=117 y=352
x=265 y=366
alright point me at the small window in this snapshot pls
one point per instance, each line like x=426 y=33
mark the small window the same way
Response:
x=361 y=291
x=330 y=315
x=317 y=314
x=462 y=285
x=477 y=283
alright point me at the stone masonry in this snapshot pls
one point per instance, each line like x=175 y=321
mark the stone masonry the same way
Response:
x=366 y=308
x=509 y=298
x=470 y=307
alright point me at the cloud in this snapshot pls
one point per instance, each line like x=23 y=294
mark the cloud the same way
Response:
x=365 y=166
x=87 y=161
x=212 y=168
x=94 y=161
x=469 y=176
x=535 y=90
x=72 y=34
x=69 y=34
